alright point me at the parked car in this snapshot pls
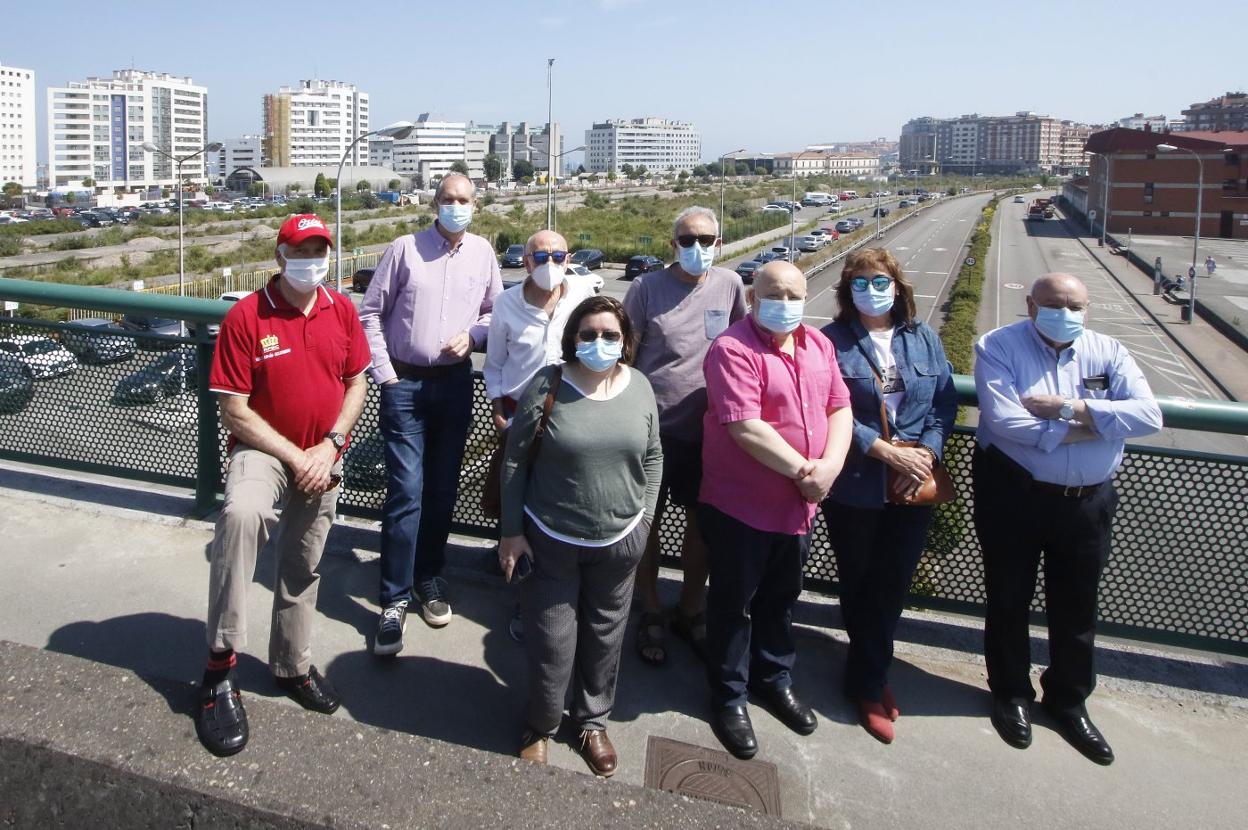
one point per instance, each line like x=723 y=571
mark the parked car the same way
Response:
x=856 y=222
x=784 y=252
x=774 y=208
x=845 y=226
x=809 y=243
x=642 y=264
x=141 y=325
x=364 y=467
x=12 y=220
x=746 y=270
x=42 y=356
x=513 y=257
x=92 y=219
x=594 y=280
x=826 y=234
x=360 y=280
x=165 y=377
x=906 y=203
x=591 y=258
x=16 y=386
x=230 y=297
x=765 y=257
x=880 y=211
x=91 y=342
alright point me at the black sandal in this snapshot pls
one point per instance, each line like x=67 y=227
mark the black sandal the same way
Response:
x=648 y=642
x=692 y=630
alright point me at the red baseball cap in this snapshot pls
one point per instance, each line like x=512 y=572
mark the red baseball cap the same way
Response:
x=302 y=226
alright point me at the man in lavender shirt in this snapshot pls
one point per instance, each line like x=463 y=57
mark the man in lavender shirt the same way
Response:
x=427 y=307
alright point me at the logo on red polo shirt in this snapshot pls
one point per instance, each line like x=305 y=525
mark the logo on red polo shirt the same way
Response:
x=270 y=348
x=269 y=343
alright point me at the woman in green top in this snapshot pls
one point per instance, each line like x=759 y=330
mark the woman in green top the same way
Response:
x=578 y=510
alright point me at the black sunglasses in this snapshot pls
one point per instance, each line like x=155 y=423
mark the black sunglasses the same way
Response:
x=540 y=257
x=706 y=240
x=880 y=282
x=589 y=336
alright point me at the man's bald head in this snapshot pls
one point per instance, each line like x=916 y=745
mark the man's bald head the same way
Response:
x=1060 y=291
x=779 y=280
x=545 y=240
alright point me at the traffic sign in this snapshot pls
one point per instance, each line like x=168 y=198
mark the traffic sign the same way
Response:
x=970 y=260
x=644 y=240
x=584 y=238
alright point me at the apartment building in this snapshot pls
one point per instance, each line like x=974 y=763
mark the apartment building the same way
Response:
x=314 y=123
x=17 y=126
x=1140 y=121
x=1226 y=112
x=431 y=149
x=660 y=145
x=521 y=141
x=245 y=151
x=825 y=163
x=97 y=128
x=971 y=144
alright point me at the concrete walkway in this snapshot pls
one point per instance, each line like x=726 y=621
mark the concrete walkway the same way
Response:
x=114 y=573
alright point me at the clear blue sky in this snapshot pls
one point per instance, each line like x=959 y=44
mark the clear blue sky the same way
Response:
x=767 y=75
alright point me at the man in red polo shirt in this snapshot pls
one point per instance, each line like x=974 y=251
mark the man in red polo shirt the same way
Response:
x=289 y=377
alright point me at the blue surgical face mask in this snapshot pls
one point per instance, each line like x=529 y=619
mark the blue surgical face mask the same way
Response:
x=695 y=260
x=1060 y=325
x=599 y=355
x=873 y=303
x=780 y=316
x=454 y=217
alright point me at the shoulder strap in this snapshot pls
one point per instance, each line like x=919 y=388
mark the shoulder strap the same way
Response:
x=547 y=405
x=879 y=386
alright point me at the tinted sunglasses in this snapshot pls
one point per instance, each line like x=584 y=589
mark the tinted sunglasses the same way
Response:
x=589 y=336
x=706 y=240
x=540 y=257
x=880 y=282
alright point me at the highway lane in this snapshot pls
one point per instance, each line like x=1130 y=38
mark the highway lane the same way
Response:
x=1022 y=251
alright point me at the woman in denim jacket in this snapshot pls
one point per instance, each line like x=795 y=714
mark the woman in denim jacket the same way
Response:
x=882 y=349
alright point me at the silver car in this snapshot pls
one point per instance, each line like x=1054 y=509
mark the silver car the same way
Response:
x=43 y=357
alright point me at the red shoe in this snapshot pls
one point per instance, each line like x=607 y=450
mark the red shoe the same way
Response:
x=874 y=719
x=890 y=704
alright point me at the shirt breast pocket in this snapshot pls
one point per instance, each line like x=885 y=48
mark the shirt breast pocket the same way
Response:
x=714 y=321
x=922 y=385
x=1095 y=387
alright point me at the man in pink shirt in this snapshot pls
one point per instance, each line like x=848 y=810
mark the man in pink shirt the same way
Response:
x=776 y=431
x=426 y=308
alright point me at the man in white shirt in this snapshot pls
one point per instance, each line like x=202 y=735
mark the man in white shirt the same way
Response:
x=526 y=333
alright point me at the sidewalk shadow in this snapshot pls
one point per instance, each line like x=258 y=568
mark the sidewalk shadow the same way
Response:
x=165 y=651
x=138 y=497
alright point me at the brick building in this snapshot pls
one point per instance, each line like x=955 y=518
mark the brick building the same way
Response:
x=1153 y=191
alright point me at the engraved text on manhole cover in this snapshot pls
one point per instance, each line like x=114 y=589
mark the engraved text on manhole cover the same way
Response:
x=713 y=775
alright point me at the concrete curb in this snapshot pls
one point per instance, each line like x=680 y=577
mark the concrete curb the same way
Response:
x=85 y=744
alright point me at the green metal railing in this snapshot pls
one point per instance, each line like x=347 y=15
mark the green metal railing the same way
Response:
x=1180 y=548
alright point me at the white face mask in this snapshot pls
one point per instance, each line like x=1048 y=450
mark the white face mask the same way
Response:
x=304 y=275
x=548 y=275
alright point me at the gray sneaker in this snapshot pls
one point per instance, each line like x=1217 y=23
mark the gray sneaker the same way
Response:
x=431 y=594
x=390 y=629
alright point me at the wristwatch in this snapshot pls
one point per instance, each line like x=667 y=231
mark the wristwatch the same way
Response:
x=1067 y=412
x=339 y=440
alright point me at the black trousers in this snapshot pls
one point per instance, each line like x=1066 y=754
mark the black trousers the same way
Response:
x=876 y=553
x=756 y=577
x=1016 y=523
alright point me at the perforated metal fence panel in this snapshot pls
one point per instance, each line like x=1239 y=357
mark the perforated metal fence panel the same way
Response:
x=124 y=402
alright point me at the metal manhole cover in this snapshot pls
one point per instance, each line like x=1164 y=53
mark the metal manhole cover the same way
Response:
x=715 y=776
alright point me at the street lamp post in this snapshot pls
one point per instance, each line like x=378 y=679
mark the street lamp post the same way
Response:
x=552 y=162
x=178 y=162
x=398 y=131
x=721 y=186
x=550 y=139
x=1200 y=187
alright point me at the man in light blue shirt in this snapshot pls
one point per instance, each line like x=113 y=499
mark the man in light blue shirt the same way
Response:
x=1057 y=403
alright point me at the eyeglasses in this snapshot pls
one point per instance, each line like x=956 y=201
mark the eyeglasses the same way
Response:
x=706 y=240
x=880 y=282
x=540 y=257
x=589 y=336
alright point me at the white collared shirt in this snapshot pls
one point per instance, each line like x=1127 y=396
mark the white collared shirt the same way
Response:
x=523 y=338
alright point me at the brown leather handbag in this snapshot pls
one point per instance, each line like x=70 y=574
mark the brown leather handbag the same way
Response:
x=937 y=489
x=492 y=490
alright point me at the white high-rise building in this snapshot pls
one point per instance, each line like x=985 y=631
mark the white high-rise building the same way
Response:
x=314 y=123
x=660 y=145
x=431 y=149
x=245 y=151
x=97 y=127
x=17 y=126
x=513 y=142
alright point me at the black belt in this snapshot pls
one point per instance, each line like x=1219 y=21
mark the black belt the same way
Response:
x=1017 y=471
x=410 y=371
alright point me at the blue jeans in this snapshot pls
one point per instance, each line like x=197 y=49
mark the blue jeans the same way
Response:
x=425 y=424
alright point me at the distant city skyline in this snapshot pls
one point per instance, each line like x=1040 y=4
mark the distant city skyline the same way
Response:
x=737 y=71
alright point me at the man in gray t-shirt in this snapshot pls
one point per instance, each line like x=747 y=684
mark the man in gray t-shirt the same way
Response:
x=676 y=313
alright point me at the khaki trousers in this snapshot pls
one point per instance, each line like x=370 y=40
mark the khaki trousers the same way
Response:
x=256 y=485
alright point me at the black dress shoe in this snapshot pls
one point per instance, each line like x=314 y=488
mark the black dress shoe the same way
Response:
x=1012 y=719
x=221 y=721
x=311 y=691
x=732 y=726
x=788 y=709
x=1079 y=731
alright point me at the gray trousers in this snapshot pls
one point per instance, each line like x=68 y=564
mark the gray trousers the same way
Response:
x=575 y=608
x=256 y=483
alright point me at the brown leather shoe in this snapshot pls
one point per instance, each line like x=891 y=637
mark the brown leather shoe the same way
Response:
x=598 y=752
x=533 y=747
